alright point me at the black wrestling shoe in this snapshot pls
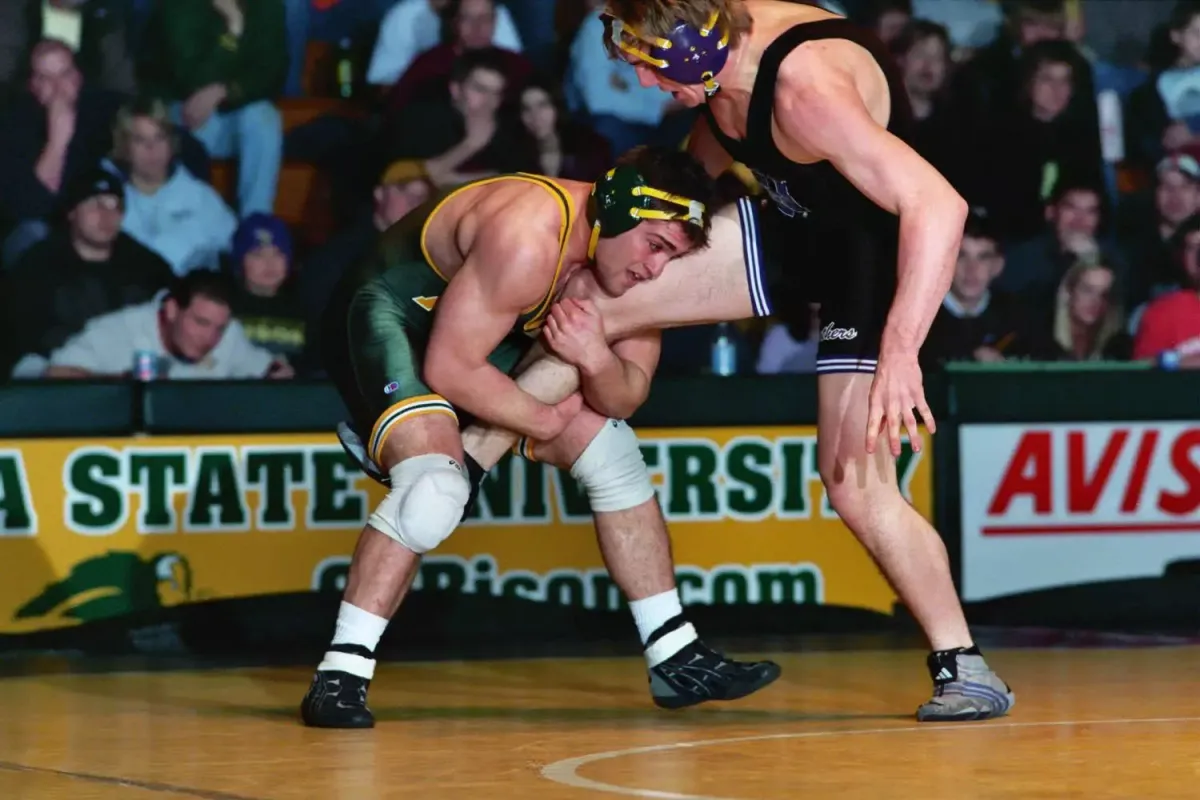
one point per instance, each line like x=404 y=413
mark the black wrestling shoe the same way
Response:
x=337 y=700
x=697 y=674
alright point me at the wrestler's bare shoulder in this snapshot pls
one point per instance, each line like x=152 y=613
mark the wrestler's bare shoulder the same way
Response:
x=508 y=225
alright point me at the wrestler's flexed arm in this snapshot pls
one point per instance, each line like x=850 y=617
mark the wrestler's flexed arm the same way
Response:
x=504 y=273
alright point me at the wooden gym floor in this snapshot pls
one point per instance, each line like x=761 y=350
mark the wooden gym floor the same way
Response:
x=1119 y=723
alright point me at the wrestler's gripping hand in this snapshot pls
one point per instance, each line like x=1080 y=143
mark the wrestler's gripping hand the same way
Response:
x=896 y=390
x=574 y=331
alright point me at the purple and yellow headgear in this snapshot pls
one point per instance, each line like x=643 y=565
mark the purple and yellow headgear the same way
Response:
x=686 y=55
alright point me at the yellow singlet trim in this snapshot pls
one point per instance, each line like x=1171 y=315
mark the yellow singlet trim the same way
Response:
x=566 y=205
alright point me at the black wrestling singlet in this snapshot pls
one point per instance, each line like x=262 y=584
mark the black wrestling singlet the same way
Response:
x=837 y=224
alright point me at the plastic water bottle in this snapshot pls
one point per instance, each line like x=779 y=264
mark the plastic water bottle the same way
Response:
x=724 y=351
x=345 y=70
x=1168 y=360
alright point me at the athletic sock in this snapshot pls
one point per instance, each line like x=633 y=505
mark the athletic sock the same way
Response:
x=662 y=626
x=354 y=640
x=650 y=613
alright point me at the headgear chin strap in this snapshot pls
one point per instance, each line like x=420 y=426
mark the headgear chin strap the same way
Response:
x=685 y=55
x=621 y=200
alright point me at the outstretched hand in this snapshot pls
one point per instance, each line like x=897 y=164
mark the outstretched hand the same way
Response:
x=895 y=392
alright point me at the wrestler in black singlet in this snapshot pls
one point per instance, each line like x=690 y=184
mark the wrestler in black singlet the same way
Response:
x=824 y=240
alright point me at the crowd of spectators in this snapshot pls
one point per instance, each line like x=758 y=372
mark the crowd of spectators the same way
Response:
x=1082 y=169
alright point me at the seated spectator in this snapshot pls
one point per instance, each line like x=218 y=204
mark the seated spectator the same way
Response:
x=465 y=137
x=413 y=26
x=219 y=65
x=95 y=30
x=59 y=129
x=1089 y=321
x=606 y=93
x=923 y=55
x=1071 y=232
x=1163 y=116
x=403 y=187
x=1169 y=328
x=994 y=78
x=972 y=24
x=471 y=25
x=1026 y=147
x=791 y=346
x=88 y=269
x=265 y=301
x=976 y=321
x=1149 y=242
x=189 y=331
x=561 y=148
x=167 y=209
x=887 y=18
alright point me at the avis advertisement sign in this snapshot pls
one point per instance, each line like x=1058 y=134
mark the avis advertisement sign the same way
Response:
x=103 y=527
x=1056 y=505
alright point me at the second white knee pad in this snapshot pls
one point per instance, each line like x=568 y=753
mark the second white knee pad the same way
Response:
x=426 y=502
x=612 y=469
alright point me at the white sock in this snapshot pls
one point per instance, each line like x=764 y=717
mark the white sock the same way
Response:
x=650 y=613
x=357 y=627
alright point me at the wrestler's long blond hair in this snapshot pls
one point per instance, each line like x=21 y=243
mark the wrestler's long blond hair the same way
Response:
x=657 y=17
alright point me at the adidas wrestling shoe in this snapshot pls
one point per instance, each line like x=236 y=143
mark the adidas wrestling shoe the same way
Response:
x=695 y=673
x=337 y=699
x=964 y=688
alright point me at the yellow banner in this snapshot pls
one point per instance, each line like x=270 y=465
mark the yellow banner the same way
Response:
x=100 y=528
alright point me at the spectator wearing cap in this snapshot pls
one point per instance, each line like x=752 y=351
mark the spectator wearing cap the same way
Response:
x=58 y=130
x=264 y=300
x=1176 y=198
x=219 y=65
x=1072 y=226
x=402 y=187
x=977 y=321
x=87 y=268
x=167 y=208
x=189 y=332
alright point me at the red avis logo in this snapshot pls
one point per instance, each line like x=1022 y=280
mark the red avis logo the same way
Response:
x=1138 y=478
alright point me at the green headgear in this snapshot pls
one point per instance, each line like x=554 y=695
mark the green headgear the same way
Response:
x=622 y=199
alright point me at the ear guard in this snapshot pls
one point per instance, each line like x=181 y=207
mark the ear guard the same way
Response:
x=686 y=55
x=621 y=200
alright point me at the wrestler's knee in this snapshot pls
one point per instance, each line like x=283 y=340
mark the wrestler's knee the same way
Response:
x=425 y=503
x=612 y=470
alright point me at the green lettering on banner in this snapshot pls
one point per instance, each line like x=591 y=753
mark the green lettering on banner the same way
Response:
x=649 y=454
x=565 y=588
x=95 y=496
x=573 y=503
x=906 y=467
x=275 y=473
x=729 y=587
x=331 y=574
x=691 y=479
x=794 y=453
x=17 y=517
x=333 y=501
x=535 y=506
x=216 y=503
x=496 y=493
x=605 y=592
x=443 y=575
x=483 y=575
x=787 y=584
x=691 y=585
x=520 y=583
x=750 y=492
x=157 y=474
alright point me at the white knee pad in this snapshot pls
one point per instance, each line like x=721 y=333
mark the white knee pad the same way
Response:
x=426 y=502
x=612 y=469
